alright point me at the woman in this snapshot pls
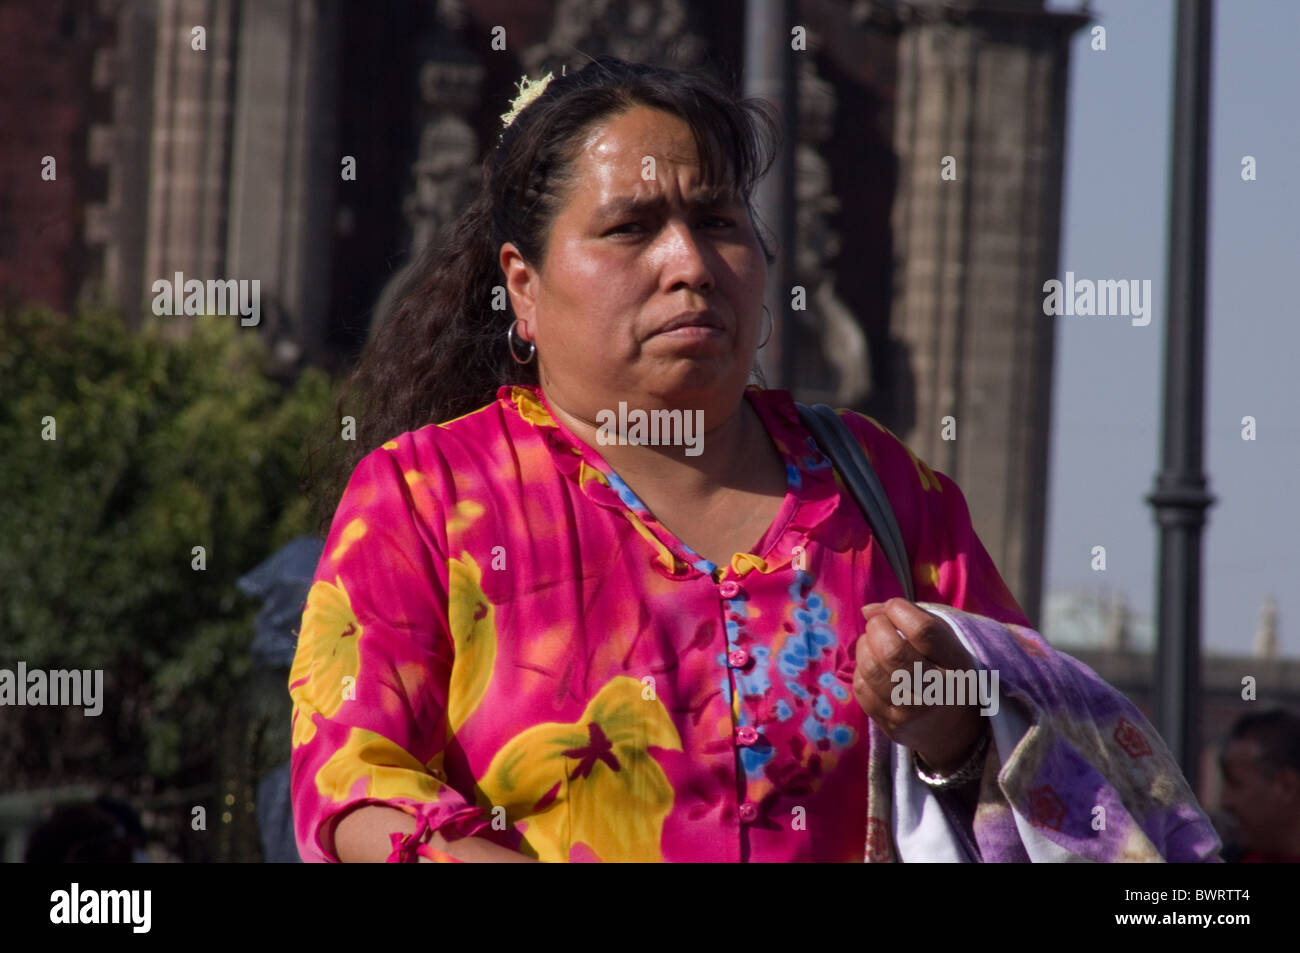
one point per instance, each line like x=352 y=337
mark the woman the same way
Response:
x=533 y=636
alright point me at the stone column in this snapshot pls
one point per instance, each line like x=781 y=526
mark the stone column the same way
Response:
x=984 y=85
x=122 y=146
x=284 y=167
x=190 y=142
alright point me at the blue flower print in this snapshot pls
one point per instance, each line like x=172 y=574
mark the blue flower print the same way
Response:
x=804 y=646
x=794 y=658
x=625 y=492
x=828 y=681
x=754 y=756
x=813 y=729
x=816 y=611
x=756 y=681
x=816 y=460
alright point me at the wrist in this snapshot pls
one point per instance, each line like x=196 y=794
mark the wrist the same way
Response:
x=962 y=745
x=965 y=770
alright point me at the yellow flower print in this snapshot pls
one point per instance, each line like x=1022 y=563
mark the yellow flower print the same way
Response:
x=530 y=408
x=587 y=474
x=389 y=770
x=929 y=572
x=666 y=557
x=742 y=563
x=327 y=653
x=463 y=515
x=351 y=533
x=928 y=479
x=474 y=635
x=591 y=785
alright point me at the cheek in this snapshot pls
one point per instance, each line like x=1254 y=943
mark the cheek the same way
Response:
x=1254 y=805
x=746 y=290
x=585 y=331
x=598 y=290
x=748 y=263
x=579 y=275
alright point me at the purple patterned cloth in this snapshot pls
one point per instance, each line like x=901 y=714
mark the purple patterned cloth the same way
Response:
x=1075 y=772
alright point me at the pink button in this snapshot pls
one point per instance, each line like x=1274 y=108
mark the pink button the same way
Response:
x=729 y=589
x=746 y=735
x=739 y=658
x=748 y=811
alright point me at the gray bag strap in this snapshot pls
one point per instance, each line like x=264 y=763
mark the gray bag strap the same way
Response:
x=838 y=443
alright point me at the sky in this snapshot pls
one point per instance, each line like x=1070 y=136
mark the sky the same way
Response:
x=1108 y=384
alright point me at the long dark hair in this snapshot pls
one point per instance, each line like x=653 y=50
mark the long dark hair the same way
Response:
x=441 y=352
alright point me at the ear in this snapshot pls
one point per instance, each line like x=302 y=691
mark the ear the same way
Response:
x=521 y=285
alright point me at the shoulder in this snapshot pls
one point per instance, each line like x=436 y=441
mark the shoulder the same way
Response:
x=891 y=458
x=911 y=487
x=887 y=451
x=889 y=455
x=424 y=469
x=451 y=448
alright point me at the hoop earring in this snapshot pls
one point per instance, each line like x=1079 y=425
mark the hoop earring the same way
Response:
x=771 y=324
x=510 y=343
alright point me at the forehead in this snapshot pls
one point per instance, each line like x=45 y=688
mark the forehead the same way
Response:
x=614 y=174
x=636 y=133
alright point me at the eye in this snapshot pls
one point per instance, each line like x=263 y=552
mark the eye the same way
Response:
x=618 y=229
x=711 y=221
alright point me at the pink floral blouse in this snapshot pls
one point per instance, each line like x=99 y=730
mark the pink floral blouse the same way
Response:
x=502 y=640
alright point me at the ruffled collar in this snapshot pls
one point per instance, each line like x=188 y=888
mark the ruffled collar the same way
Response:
x=812 y=493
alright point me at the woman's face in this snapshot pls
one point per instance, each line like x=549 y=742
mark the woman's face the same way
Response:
x=618 y=275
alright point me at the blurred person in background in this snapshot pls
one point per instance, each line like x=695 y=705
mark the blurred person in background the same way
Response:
x=1261 y=786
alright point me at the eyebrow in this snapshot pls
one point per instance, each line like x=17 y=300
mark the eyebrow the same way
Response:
x=701 y=198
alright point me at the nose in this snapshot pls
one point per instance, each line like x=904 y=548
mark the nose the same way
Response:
x=685 y=260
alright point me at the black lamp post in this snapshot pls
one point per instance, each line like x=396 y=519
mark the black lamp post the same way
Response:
x=1181 y=494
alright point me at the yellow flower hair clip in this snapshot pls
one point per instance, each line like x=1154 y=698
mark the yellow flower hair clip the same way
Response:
x=528 y=91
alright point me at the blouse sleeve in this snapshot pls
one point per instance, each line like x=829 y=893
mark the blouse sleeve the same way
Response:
x=949 y=562
x=370 y=677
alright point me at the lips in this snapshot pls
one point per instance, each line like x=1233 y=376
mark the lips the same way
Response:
x=694 y=319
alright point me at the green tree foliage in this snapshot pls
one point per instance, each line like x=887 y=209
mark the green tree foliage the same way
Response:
x=161 y=445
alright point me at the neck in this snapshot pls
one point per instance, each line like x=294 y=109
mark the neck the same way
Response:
x=720 y=464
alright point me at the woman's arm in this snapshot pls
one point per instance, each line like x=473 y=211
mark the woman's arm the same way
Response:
x=371 y=680
x=362 y=836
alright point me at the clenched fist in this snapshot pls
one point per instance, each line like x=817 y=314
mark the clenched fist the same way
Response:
x=943 y=735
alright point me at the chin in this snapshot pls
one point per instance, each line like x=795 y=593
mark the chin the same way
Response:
x=685 y=395
x=698 y=384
